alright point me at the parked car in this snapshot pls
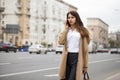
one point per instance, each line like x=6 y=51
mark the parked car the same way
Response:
x=92 y=47
x=59 y=49
x=102 y=50
x=114 y=51
x=50 y=49
x=8 y=47
x=37 y=49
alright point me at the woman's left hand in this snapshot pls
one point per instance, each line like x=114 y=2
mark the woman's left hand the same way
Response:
x=85 y=70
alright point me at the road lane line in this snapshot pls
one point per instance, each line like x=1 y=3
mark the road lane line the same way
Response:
x=103 y=60
x=26 y=72
x=4 y=63
x=33 y=71
x=51 y=75
x=113 y=76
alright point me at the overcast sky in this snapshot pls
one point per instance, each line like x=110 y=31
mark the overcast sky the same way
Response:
x=106 y=10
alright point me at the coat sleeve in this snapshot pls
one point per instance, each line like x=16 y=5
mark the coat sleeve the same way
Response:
x=62 y=37
x=85 y=53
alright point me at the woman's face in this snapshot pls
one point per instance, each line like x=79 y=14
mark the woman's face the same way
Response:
x=71 y=19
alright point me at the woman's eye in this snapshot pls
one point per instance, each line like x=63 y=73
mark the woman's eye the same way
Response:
x=72 y=17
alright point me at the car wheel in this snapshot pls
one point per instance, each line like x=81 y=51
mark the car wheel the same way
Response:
x=30 y=52
x=45 y=52
x=38 y=52
x=7 y=50
x=56 y=52
x=15 y=51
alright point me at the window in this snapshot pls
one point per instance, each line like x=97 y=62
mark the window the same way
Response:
x=43 y=29
x=53 y=9
x=3 y=22
x=3 y=2
x=3 y=16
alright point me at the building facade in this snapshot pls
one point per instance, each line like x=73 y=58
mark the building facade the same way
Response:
x=114 y=39
x=100 y=31
x=47 y=20
x=32 y=21
x=2 y=8
x=15 y=21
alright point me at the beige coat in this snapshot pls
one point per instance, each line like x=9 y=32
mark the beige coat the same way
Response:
x=82 y=58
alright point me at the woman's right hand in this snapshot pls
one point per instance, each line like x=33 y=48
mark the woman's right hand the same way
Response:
x=66 y=26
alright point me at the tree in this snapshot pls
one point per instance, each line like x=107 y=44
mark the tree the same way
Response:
x=112 y=43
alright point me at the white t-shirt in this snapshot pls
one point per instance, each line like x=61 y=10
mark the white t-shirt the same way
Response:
x=73 y=39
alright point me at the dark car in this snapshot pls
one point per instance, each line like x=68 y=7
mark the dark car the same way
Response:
x=102 y=50
x=8 y=47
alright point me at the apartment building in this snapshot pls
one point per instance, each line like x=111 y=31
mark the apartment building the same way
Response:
x=114 y=39
x=32 y=21
x=1 y=16
x=47 y=20
x=100 y=31
x=15 y=21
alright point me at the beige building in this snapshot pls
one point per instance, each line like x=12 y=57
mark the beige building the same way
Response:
x=100 y=31
x=23 y=12
x=15 y=21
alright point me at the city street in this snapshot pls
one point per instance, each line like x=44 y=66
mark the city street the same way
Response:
x=25 y=66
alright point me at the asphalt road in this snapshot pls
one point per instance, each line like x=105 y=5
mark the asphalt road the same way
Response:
x=25 y=66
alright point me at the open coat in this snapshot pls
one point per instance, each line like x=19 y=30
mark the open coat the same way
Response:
x=82 y=58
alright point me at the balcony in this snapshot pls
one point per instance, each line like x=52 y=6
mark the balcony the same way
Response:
x=28 y=14
x=18 y=12
x=2 y=9
x=28 y=6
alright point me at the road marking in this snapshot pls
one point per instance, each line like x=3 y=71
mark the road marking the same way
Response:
x=26 y=72
x=33 y=71
x=113 y=76
x=4 y=63
x=52 y=75
x=103 y=60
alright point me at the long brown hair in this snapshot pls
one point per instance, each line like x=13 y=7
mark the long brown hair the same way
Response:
x=79 y=25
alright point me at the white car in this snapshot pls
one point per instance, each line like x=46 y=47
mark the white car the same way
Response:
x=59 y=49
x=37 y=49
x=114 y=51
x=51 y=49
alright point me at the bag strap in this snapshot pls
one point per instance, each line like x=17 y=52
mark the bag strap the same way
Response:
x=86 y=76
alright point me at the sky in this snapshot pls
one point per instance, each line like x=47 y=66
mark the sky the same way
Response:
x=106 y=10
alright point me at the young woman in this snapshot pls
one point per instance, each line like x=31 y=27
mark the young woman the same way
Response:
x=75 y=39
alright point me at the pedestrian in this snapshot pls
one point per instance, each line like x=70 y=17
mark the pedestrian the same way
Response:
x=75 y=39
